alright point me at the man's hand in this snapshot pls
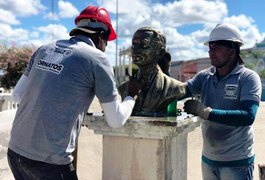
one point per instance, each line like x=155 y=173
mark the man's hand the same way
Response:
x=133 y=87
x=197 y=108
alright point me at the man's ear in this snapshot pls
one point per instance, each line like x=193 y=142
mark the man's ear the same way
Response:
x=232 y=52
x=103 y=35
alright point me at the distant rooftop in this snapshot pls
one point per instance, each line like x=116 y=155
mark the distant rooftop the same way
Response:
x=260 y=45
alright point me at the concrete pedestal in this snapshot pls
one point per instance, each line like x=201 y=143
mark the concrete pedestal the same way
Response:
x=146 y=148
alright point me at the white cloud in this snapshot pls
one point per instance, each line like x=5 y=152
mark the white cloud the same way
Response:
x=174 y=14
x=51 y=16
x=22 y=7
x=66 y=9
x=34 y=42
x=53 y=32
x=251 y=36
x=241 y=21
x=177 y=40
x=11 y=17
x=132 y=15
x=179 y=13
x=46 y=34
x=9 y=34
x=34 y=34
x=185 y=47
x=200 y=36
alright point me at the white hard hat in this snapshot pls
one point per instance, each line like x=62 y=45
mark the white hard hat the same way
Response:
x=227 y=32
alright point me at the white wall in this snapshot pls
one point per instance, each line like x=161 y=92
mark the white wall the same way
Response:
x=6 y=102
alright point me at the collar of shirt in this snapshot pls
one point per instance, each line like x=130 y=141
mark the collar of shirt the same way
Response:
x=238 y=68
x=85 y=39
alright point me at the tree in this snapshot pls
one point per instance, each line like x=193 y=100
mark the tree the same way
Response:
x=13 y=74
x=257 y=61
x=13 y=61
x=262 y=73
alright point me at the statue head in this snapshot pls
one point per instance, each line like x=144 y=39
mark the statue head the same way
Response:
x=158 y=89
x=148 y=45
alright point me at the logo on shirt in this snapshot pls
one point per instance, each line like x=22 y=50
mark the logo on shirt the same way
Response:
x=230 y=91
x=48 y=66
x=59 y=49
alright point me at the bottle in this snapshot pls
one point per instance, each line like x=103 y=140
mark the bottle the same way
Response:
x=172 y=108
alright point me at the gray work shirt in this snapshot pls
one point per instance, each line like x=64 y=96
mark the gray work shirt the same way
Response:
x=223 y=142
x=63 y=79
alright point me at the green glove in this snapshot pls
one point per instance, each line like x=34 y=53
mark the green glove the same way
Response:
x=196 y=108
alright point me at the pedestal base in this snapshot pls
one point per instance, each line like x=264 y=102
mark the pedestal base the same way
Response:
x=146 y=148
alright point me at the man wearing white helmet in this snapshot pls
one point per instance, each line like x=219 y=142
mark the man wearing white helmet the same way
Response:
x=229 y=99
x=55 y=92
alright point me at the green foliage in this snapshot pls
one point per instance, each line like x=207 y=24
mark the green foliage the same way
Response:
x=13 y=73
x=250 y=66
x=257 y=57
x=262 y=74
x=258 y=54
x=13 y=61
x=134 y=69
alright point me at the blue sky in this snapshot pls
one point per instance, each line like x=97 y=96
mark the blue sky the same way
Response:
x=186 y=23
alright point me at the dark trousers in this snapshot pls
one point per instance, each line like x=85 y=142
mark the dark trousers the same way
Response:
x=27 y=169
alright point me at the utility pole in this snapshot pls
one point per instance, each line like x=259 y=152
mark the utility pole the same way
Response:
x=117 y=29
x=52 y=9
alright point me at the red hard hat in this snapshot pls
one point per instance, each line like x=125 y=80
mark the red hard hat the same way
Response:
x=98 y=14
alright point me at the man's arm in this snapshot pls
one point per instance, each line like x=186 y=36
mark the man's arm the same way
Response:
x=116 y=112
x=20 y=88
x=245 y=116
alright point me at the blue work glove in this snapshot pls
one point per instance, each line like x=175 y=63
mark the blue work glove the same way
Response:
x=196 y=108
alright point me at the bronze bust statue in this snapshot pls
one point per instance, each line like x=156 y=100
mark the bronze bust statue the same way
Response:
x=158 y=89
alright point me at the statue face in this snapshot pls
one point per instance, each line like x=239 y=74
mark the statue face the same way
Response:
x=144 y=50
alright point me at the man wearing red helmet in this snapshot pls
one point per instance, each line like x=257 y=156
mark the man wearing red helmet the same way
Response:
x=55 y=92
